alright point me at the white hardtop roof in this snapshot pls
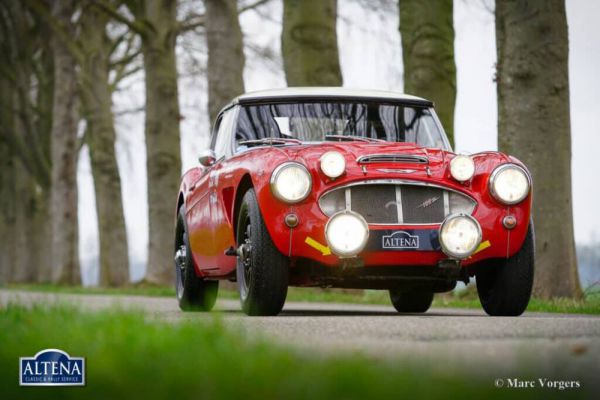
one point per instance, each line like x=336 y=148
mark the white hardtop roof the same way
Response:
x=325 y=92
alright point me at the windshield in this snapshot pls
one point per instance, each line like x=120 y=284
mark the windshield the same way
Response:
x=320 y=121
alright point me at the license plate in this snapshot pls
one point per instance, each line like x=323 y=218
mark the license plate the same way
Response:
x=404 y=240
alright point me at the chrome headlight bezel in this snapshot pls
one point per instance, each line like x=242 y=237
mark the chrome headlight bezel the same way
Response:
x=277 y=173
x=454 y=166
x=494 y=176
x=363 y=242
x=324 y=168
x=451 y=252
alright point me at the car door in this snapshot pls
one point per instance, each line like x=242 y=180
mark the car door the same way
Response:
x=222 y=189
x=200 y=215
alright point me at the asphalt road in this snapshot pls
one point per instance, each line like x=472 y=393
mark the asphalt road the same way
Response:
x=535 y=345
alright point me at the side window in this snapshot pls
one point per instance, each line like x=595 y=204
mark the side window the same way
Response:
x=222 y=139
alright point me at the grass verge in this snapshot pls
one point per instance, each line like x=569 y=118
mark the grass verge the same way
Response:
x=463 y=299
x=129 y=356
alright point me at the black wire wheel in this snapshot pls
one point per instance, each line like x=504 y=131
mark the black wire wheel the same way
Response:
x=262 y=271
x=504 y=285
x=193 y=292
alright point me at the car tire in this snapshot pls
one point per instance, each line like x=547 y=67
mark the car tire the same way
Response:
x=262 y=271
x=193 y=292
x=504 y=285
x=411 y=301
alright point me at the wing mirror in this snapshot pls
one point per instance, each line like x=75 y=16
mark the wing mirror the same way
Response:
x=207 y=158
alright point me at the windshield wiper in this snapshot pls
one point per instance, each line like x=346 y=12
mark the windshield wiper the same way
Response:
x=352 y=138
x=273 y=141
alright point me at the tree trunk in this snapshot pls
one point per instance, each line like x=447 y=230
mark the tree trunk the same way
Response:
x=225 y=54
x=427 y=35
x=309 y=43
x=23 y=220
x=162 y=136
x=29 y=233
x=6 y=183
x=100 y=137
x=7 y=211
x=534 y=125
x=63 y=199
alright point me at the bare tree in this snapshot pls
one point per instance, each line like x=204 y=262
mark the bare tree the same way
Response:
x=226 y=60
x=427 y=35
x=25 y=119
x=95 y=89
x=534 y=125
x=309 y=43
x=63 y=199
x=155 y=21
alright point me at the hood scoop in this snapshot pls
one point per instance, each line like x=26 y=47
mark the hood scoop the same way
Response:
x=392 y=158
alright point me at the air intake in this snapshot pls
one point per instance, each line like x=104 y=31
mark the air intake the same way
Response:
x=392 y=158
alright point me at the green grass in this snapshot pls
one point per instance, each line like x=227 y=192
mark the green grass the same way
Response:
x=135 y=290
x=464 y=299
x=130 y=356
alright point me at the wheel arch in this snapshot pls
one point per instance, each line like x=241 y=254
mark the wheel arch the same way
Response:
x=244 y=185
x=180 y=202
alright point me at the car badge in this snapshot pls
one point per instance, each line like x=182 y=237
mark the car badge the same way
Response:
x=428 y=202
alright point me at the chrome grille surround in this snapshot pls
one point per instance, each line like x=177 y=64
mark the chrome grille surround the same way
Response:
x=397 y=202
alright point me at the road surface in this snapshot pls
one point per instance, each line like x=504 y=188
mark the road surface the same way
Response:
x=535 y=345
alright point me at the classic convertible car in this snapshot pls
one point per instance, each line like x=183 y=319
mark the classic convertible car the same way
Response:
x=332 y=187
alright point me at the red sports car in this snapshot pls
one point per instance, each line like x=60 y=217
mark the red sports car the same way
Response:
x=333 y=187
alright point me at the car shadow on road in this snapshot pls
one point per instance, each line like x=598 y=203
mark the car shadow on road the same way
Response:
x=360 y=313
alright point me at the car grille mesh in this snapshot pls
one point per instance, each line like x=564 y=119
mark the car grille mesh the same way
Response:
x=376 y=203
x=393 y=204
x=422 y=205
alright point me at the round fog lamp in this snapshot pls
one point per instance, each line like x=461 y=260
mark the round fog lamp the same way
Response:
x=460 y=235
x=346 y=233
x=333 y=164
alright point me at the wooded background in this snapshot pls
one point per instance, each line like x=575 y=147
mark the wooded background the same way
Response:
x=64 y=60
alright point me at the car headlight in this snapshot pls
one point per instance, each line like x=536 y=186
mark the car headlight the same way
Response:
x=509 y=184
x=333 y=164
x=291 y=182
x=462 y=168
x=460 y=235
x=346 y=233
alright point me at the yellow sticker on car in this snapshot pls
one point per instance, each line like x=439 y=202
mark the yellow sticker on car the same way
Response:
x=317 y=246
x=482 y=246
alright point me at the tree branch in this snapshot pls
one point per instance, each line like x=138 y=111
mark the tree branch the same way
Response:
x=136 y=25
x=192 y=22
x=252 y=6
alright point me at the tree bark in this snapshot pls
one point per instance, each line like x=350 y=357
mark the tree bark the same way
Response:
x=534 y=125
x=427 y=33
x=309 y=43
x=100 y=136
x=162 y=135
x=63 y=199
x=225 y=54
x=25 y=119
x=7 y=186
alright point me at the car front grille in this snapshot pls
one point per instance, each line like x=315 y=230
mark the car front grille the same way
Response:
x=397 y=203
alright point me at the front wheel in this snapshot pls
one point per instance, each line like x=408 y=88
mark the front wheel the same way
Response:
x=411 y=301
x=193 y=292
x=504 y=285
x=262 y=271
